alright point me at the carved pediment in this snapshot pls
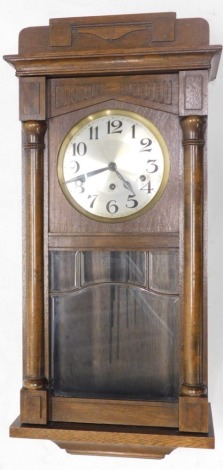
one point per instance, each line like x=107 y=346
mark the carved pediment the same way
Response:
x=156 y=92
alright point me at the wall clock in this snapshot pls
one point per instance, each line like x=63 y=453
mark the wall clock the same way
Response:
x=114 y=113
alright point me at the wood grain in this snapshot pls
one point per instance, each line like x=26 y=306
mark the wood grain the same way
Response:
x=114 y=241
x=125 y=441
x=115 y=45
x=134 y=413
x=193 y=142
x=153 y=91
x=33 y=143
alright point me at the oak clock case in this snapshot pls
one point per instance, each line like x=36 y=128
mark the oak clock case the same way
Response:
x=114 y=113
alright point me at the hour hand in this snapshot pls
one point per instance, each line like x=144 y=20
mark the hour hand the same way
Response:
x=95 y=172
x=76 y=178
x=87 y=175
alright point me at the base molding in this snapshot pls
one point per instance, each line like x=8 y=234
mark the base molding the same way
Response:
x=113 y=450
x=112 y=440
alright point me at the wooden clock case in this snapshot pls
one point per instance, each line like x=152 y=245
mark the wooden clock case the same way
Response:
x=157 y=66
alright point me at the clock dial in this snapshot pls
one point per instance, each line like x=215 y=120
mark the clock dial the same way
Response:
x=113 y=165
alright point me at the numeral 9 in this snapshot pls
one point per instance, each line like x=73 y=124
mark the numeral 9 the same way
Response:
x=74 y=166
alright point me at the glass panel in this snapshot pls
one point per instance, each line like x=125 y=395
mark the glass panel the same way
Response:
x=116 y=266
x=163 y=271
x=62 y=265
x=115 y=341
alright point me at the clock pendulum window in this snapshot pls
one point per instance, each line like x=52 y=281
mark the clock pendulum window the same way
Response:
x=114 y=114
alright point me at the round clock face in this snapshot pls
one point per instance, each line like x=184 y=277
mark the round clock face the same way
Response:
x=113 y=165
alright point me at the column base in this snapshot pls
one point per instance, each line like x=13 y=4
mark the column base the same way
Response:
x=193 y=390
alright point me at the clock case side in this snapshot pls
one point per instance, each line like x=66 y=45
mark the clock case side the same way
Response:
x=193 y=400
x=60 y=53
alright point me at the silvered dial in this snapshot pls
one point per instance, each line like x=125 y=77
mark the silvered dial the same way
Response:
x=113 y=165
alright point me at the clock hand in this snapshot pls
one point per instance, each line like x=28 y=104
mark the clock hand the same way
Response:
x=95 y=172
x=126 y=184
x=90 y=173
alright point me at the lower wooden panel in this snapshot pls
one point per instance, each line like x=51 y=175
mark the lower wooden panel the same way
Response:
x=140 y=413
x=125 y=441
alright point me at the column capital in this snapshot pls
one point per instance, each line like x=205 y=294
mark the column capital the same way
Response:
x=193 y=128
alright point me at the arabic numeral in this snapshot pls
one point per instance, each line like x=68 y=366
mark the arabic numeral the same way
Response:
x=133 y=131
x=93 y=133
x=112 y=207
x=74 y=166
x=114 y=127
x=93 y=199
x=147 y=187
x=146 y=143
x=79 y=188
x=153 y=167
x=79 y=149
x=133 y=202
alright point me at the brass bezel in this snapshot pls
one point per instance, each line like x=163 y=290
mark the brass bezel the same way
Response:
x=108 y=112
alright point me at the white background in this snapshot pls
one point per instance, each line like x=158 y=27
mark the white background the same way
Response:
x=25 y=454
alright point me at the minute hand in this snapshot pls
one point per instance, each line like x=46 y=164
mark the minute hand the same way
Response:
x=87 y=175
x=126 y=184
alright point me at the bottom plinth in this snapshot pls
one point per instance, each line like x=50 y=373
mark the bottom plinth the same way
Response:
x=122 y=441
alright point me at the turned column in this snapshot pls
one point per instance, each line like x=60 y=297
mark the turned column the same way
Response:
x=33 y=396
x=193 y=143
